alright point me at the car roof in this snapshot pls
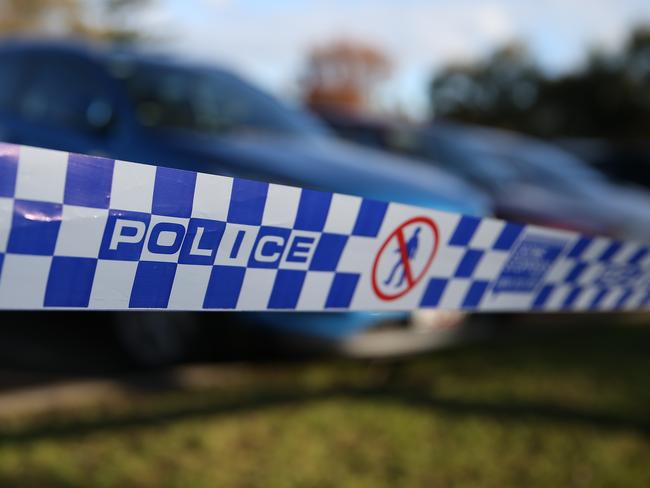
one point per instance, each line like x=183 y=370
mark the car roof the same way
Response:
x=101 y=52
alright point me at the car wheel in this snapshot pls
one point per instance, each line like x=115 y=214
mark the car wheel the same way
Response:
x=427 y=330
x=157 y=339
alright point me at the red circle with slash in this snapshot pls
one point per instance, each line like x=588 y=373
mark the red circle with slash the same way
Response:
x=411 y=280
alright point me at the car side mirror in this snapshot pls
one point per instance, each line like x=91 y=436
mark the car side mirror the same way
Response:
x=100 y=115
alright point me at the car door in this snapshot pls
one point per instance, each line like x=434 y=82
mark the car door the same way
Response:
x=65 y=102
x=11 y=77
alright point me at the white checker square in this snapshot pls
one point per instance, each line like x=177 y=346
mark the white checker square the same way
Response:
x=358 y=255
x=506 y=301
x=454 y=294
x=342 y=215
x=590 y=274
x=189 y=287
x=133 y=186
x=487 y=233
x=446 y=222
x=112 y=284
x=163 y=238
x=635 y=300
x=41 y=174
x=256 y=289
x=23 y=281
x=6 y=215
x=81 y=231
x=281 y=206
x=585 y=298
x=315 y=290
x=557 y=298
x=595 y=249
x=446 y=261
x=236 y=245
x=212 y=197
x=490 y=265
x=610 y=300
x=560 y=270
x=627 y=251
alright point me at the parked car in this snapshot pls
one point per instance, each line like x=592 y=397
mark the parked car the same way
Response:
x=152 y=109
x=529 y=180
x=623 y=161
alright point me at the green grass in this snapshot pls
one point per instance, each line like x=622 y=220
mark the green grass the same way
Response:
x=562 y=409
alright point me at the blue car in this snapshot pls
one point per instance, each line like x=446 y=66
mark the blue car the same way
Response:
x=149 y=109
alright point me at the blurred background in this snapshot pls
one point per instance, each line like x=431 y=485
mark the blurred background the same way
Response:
x=537 y=113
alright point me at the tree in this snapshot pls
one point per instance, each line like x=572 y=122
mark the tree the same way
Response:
x=344 y=76
x=101 y=19
x=499 y=89
x=609 y=97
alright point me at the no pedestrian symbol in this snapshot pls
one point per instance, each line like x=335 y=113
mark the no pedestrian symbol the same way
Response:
x=404 y=258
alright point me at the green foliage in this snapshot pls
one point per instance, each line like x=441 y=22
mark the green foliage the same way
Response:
x=609 y=97
x=104 y=20
x=561 y=409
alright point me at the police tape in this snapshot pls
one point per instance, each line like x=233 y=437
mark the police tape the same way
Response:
x=81 y=232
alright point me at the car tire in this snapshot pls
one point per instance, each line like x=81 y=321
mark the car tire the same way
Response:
x=426 y=331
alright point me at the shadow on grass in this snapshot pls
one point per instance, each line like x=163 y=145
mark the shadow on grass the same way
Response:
x=387 y=394
x=612 y=355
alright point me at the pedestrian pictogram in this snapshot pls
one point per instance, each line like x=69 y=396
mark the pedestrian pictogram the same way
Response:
x=404 y=258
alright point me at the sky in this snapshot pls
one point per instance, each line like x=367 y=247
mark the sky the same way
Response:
x=267 y=41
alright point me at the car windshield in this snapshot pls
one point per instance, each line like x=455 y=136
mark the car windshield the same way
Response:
x=529 y=161
x=206 y=101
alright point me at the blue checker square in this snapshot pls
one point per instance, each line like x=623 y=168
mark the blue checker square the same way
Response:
x=70 y=282
x=173 y=192
x=269 y=246
x=624 y=298
x=464 y=231
x=88 y=181
x=370 y=217
x=571 y=297
x=579 y=247
x=224 y=287
x=433 y=293
x=124 y=235
x=8 y=169
x=508 y=236
x=312 y=210
x=342 y=290
x=474 y=295
x=468 y=264
x=152 y=285
x=542 y=297
x=34 y=227
x=600 y=296
x=247 y=202
x=286 y=289
x=201 y=241
x=328 y=253
x=638 y=256
x=611 y=250
x=575 y=272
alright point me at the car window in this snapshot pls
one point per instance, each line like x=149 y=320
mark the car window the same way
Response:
x=11 y=71
x=207 y=101
x=63 y=92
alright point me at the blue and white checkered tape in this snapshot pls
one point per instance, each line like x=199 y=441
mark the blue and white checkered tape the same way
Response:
x=83 y=232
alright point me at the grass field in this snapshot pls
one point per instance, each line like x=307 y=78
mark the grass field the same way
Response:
x=556 y=409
